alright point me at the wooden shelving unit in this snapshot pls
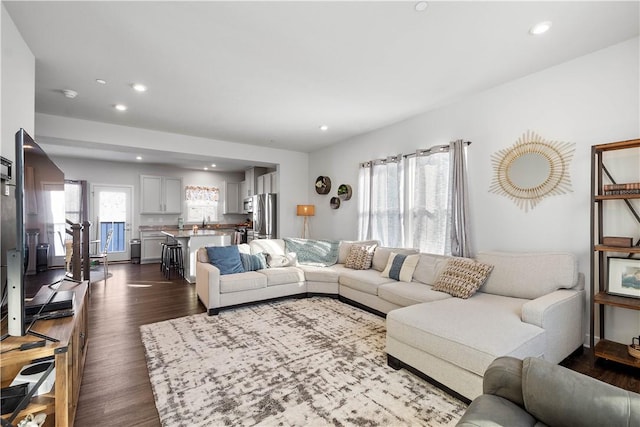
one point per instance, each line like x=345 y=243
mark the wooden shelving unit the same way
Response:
x=69 y=356
x=600 y=299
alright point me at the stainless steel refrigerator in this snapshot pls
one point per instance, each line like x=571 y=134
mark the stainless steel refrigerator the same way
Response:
x=265 y=217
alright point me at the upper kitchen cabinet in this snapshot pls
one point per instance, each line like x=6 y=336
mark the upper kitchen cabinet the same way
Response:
x=267 y=183
x=232 y=200
x=160 y=195
x=251 y=180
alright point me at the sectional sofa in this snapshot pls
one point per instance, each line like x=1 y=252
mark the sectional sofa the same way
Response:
x=530 y=305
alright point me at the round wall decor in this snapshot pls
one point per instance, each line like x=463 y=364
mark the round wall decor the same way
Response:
x=323 y=185
x=344 y=191
x=335 y=202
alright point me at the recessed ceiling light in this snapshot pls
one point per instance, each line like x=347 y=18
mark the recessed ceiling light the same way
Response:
x=101 y=81
x=540 y=28
x=138 y=157
x=421 y=6
x=120 y=107
x=324 y=128
x=68 y=93
x=206 y=168
x=213 y=165
x=139 y=87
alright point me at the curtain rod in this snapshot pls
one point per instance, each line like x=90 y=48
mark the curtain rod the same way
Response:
x=423 y=152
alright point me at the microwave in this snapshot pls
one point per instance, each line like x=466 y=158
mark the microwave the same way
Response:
x=247 y=205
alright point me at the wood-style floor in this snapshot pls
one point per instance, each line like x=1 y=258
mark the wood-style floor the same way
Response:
x=115 y=387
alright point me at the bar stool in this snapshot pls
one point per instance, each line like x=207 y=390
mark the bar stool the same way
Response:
x=172 y=259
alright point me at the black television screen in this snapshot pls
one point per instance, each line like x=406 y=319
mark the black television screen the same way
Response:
x=39 y=227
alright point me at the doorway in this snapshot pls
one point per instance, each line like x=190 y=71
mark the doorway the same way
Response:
x=111 y=210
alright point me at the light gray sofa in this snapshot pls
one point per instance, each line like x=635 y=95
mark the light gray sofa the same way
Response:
x=532 y=304
x=534 y=392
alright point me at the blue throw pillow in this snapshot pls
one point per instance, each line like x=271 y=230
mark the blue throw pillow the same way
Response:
x=225 y=258
x=253 y=262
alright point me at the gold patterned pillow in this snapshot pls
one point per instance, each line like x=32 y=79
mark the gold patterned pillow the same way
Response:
x=360 y=257
x=462 y=277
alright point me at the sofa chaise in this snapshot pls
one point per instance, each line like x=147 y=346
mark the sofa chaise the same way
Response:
x=531 y=304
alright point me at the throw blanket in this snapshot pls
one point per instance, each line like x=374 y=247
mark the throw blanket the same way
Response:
x=321 y=253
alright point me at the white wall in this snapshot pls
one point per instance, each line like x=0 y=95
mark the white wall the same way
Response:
x=17 y=86
x=591 y=100
x=292 y=165
x=17 y=100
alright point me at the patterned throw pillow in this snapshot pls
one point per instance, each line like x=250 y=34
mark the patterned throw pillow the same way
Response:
x=287 y=260
x=462 y=277
x=360 y=257
x=401 y=267
x=253 y=262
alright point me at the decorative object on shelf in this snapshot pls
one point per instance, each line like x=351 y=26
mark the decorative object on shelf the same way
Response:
x=323 y=185
x=334 y=203
x=634 y=347
x=532 y=169
x=305 y=211
x=624 y=277
x=344 y=191
x=619 y=242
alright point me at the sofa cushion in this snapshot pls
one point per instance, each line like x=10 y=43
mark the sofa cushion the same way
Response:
x=400 y=267
x=320 y=274
x=381 y=256
x=360 y=257
x=468 y=333
x=404 y=294
x=253 y=262
x=529 y=275
x=345 y=246
x=428 y=268
x=226 y=259
x=363 y=280
x=270 y=246
x=461 y=277
x=242 y=282
x=283 y=275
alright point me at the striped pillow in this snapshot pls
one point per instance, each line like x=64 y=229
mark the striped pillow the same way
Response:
x=462 y=277
x=401 y=267
x=253 y=262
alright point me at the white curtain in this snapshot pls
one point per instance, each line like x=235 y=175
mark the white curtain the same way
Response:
x=429 y=214
x=417 y=201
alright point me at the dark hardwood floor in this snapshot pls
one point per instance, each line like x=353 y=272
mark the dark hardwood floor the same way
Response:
x=115 y=387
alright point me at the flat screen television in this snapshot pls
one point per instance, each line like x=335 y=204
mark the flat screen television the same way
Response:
x=38 y=225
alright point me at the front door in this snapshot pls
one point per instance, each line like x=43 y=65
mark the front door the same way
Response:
x=111 y=210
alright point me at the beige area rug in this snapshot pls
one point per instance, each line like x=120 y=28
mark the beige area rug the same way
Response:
x=306 y=362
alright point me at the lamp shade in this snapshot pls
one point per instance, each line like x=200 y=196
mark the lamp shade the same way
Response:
x=306 y=210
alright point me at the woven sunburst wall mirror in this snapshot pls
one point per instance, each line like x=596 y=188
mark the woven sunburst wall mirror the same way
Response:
x=531 y=169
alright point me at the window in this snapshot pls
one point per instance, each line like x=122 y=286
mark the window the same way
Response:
x=407 y=201
x=202 y=203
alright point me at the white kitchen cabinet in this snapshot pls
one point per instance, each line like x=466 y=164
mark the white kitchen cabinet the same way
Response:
x=267 y=183
x=251 y=179
x=150 y=246
x=232 y=199
x=160 y=195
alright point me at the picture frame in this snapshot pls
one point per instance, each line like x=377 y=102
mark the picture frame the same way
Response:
x=623 y=277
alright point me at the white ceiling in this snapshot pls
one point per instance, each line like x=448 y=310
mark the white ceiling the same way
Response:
x=270 y=73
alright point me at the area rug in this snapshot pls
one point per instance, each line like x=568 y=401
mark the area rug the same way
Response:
x=303 y=362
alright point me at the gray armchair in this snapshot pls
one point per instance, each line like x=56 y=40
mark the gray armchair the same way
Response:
x=534 y=392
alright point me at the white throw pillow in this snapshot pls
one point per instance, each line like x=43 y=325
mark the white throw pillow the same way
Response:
x=401 y=267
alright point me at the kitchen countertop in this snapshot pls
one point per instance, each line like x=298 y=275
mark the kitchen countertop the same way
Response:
x=191 y=233
x=174 y=228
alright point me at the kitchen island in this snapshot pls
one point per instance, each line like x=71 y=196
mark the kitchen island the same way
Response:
x=191 y=241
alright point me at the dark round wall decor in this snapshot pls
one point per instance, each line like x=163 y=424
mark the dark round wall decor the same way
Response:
x=344 y=191
x=323 y=185
x=334 y=203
